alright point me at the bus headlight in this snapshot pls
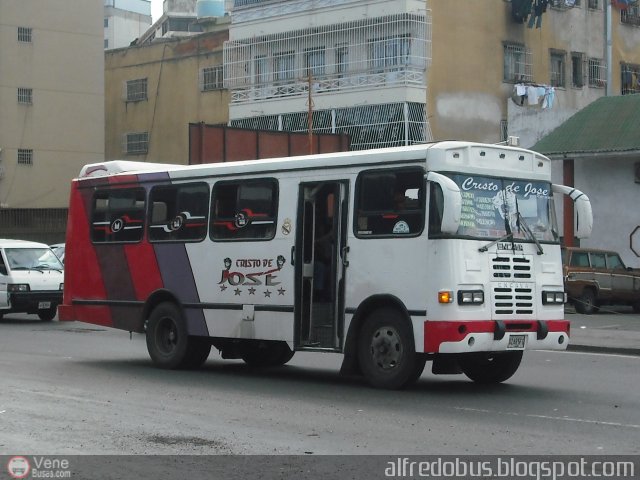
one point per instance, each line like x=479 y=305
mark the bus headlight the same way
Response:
x=18 y=287
x=553 y=297
x=470 y=297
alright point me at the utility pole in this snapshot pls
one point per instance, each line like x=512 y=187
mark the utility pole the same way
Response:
x=608 y=47
x=310 y=115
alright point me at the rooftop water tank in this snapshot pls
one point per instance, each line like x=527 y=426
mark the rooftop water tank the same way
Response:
x=209 y=8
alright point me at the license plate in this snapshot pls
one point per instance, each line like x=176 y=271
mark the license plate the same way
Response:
x=517 y=342
x=44 y=305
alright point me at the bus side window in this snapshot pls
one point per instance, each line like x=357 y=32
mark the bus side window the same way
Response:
x=118 y=215
x=390 y=203
x=3 y=267
x=179 y=212
x=244 y=210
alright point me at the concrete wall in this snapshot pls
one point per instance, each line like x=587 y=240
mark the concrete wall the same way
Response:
x=64 y=126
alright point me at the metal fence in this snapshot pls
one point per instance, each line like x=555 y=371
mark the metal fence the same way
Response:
x=46 y=225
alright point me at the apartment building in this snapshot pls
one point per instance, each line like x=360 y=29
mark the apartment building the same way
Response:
x=155 y=89
x=395 y=72
x=51 y=109
x=125 y=21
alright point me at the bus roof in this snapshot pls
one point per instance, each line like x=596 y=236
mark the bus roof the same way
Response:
x=325 y=160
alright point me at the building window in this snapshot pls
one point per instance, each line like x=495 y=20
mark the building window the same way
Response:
x=25 y=156
x=25 y=34
x=246 y=210
x=630 y=81
x=631 y=15
x=283 y=66
x=136 y=90
x=564 y=4
x=179 y=212
x=136 y=143
x=342 y=58
x=504 y=130
x=25 y=96
x=557 y=68
x=211 y=78
x=577 y=69
x=517 y=63
x=389 y=53
x=106 y=43
x=593 y=4
x=596 y=73
x=314 y=62
x=106 y=22
x=261 y=73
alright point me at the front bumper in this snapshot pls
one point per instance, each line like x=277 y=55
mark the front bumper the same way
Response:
x=495 y=335
x=34 y=301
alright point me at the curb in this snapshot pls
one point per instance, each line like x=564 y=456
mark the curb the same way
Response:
x=598 y=349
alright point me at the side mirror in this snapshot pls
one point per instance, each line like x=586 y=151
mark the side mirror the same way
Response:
x=582 y=204
x=452 y=202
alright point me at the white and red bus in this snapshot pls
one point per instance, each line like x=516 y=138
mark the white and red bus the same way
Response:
x=447 y=252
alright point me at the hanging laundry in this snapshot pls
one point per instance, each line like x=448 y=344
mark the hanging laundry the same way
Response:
x=549 y=97
x=520 y=10
x=532 y=95
x=622 y=4
x=521 y=92
x=569 y=3
x=539 y=7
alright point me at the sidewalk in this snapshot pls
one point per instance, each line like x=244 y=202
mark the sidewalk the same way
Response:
x=612 y=330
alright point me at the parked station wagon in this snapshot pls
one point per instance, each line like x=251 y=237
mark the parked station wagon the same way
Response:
x=593 y=278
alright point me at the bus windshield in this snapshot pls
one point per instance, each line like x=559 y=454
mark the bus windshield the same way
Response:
x=493 y=208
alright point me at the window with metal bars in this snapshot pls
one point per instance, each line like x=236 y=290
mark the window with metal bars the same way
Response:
x=136 y=90
x=630 y=78
x=557 y=58
x=593 y=4
x=596 y=72
x=211 y=78
x=136 y=143
x=25 y=34
x=25 y=96
x=631 y=15
x=25 y=156
x=314 y=60
x=577 y=69
x=517 y=63
x=388 y=53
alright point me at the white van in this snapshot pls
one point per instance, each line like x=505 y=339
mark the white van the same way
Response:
x=31 y=279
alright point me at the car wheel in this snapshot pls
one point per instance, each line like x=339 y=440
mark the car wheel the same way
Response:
x=266 y=354
x=490 y=367
x=386 y=350
x=586 y=303
x=47 y=315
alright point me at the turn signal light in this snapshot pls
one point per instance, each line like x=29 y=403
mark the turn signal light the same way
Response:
x=445 y=296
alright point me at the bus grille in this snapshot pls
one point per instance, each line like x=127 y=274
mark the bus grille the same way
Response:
x=511 y=268
x=513 y=300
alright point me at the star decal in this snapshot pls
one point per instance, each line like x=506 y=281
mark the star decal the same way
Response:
x=267 y=293
x=252 y=291
x=237 y=291
x=223 y=288
x=281 y=291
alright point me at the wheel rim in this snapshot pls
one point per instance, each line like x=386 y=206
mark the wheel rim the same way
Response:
x=166 y=336
x=386 y=348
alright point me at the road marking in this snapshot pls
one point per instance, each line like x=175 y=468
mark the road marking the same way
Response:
x=62 y=397
x=548 y=417
x=604 y=354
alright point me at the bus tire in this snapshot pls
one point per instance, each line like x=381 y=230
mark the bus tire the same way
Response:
x=386 y=350
x=47 y=315
x=488 y=368
x=198 y=351
x=267 y=354
x=167 y=339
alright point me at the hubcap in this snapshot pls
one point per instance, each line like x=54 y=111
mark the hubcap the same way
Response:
x=386 y=348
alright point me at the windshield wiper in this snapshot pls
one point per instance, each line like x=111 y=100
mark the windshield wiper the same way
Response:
x=507 y=228
x=525 y=226
x=489 y=245
x=45 y=266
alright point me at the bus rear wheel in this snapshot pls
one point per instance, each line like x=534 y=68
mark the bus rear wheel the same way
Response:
x=266 y=354
x=490 y=368
x=386 y=351
x=168 y=342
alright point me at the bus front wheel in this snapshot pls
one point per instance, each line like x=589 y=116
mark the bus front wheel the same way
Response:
x=489 y=368
x=386 y=351
x=168 y=342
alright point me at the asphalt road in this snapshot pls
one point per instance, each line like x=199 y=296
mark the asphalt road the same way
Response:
x=71 y=388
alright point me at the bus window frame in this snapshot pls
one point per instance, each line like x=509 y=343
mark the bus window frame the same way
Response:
x=109 y=190
x=240 y=182
x=420 y=172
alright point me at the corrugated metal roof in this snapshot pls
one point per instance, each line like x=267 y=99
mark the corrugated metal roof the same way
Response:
x=610 y=124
